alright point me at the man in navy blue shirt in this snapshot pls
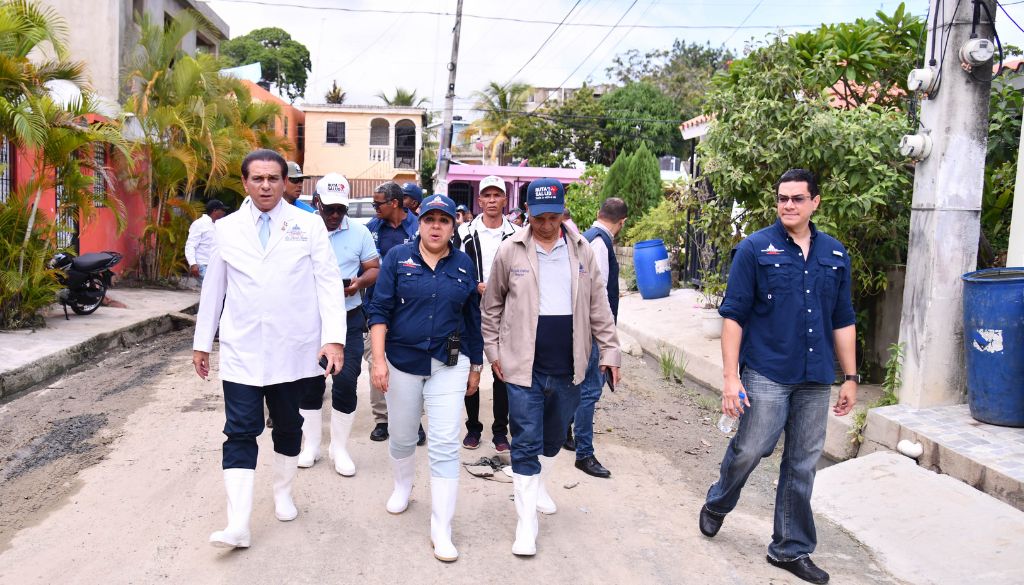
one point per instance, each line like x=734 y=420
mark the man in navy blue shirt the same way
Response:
x=787 y=313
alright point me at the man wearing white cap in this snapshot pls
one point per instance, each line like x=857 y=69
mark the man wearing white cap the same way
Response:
x=480 y=240
x=359 y=264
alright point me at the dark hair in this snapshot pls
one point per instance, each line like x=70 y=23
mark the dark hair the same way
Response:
x=264 y=154
x=799 y=176
x=391 y=191
x=613 y=209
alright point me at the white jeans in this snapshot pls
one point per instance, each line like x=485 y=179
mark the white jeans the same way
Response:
x=442 y=392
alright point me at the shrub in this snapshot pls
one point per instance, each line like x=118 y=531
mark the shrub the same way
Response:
x=24 y=295
x=584 y=197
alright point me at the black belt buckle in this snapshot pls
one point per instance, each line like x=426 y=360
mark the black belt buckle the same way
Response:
x=452 y=348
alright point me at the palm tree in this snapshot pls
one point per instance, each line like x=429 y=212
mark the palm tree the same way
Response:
x=402 y=97
x=335 y=95
x=501 y=105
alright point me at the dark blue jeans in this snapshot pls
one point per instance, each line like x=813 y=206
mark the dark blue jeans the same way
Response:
x=243 y=411
x=538 y=416
x=802 y=411
x=590 y=393
x=343 y=384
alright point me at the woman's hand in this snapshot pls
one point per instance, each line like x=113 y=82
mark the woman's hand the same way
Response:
x=473 y=384
x=379 y=375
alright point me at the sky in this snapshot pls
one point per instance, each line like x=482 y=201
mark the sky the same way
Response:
x=370 y=47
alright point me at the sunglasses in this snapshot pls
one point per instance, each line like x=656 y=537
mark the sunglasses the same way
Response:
x=333 y=210
x=379 y=204
x=797 y=199
x=295 y=181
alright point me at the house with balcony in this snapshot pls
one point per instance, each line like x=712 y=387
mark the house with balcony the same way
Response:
x=367 y=144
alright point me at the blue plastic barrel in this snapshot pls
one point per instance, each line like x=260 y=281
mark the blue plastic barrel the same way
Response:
x=653 y=272
x=994 y=345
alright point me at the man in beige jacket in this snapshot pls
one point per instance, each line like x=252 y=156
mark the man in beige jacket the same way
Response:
x=544 y=302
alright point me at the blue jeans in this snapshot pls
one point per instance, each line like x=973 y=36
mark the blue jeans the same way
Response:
x=343 y=384
x=590 y=393
x=243 y=413
x=538 y=416
x=802 y=411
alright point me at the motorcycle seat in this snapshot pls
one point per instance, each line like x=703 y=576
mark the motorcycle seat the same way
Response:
x=93 y=261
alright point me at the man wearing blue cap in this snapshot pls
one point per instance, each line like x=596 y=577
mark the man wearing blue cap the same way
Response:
x=412 y=195
x=544 y=292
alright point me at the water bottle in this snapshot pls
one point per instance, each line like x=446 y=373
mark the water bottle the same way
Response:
x=726 y=423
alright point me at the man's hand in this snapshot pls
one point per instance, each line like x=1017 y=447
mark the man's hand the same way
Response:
x=379 y=375
x=335 y=353
x=615 y=374
x=847 y=398
x=497 y=370
x=473 y=384
x=194 y=270
x=480 y=288
x=201 y=362
x=352 y=288
x=732 y=404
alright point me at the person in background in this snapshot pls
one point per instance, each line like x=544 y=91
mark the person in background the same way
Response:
x=460 y=215
x=358 y=263
x=293 y=188
x=413 y=195
x=568 y=222
x=273 y=331
x=427 y=351
x=201 y=237
x=788 y=317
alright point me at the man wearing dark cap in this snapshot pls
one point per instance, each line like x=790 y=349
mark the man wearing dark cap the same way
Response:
x=545 y=304
x=201 y=237
x=413 y=196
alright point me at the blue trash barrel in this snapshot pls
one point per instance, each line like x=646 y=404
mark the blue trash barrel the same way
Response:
x=653 y=272
x=994 y=345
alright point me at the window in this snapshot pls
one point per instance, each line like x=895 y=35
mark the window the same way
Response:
x=6 y=172
x=273 y=124
x=99 y=185
x=335 y=133
x=285 y=127
x=379 y=130
x=300 y=136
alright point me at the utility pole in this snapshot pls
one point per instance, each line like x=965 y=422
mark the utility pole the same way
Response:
x=946 y=210
x=445 y=150
x=1015 y=253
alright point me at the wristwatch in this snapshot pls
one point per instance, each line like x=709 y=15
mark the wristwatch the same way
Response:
x=852 y=378
x=476 y=368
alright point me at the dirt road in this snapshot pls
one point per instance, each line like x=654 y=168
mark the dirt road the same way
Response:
x=112 y=474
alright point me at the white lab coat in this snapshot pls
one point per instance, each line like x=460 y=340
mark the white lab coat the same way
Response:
x=280 y=305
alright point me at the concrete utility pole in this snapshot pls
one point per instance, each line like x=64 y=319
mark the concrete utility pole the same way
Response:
x=946 y=211
x=1015 y=252
x=445 y=150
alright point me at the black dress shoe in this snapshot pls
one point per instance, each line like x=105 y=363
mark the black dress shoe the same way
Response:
x=591 y=466
x=423 y=437
x=570 y=442
x=710 y=522
x=803 y=567
x=380 y=432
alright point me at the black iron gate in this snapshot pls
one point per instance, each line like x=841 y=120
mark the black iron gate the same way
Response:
x=66 y=218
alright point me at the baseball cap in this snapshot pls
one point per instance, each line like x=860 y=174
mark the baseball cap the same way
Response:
x=215 y=204
x=545 y=196
x=439 y=203
x=333 y=189
x=412 y=190
x=294 y=170
x=462 y=208
x=492 y=181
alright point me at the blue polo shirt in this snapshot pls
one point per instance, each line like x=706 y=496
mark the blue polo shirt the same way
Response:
x=422 y=307
x=789 y=305
x=352 y=245
x=387 y=237
x=304 y=206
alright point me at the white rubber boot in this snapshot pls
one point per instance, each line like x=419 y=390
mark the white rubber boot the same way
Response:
x=443 y=494
x=285 y=469
x=341 y=426
x=238 y=485
x=404 y=471
x=312 y=430
x=525 y=487
x=545 y=505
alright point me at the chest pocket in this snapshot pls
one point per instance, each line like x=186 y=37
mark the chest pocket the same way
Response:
x=410 y=281
x=775 y=276
x=458 y=288
x=831 y=272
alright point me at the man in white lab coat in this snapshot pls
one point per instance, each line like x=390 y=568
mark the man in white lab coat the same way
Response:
x=275 y=275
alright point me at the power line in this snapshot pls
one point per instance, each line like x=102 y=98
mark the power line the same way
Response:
x=622 y=38
x=1002 y=6
x=749 y=14
x=519 y=20
x=542 y=45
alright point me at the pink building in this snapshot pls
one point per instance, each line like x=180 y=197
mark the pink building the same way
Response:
x=464 y=181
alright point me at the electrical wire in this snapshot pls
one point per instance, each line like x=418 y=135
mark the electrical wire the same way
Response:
x=542 y=45
x=1003 y=8
x=749 y=14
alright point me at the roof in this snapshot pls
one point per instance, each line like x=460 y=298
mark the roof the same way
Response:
x=477 y=172
x=361 y=109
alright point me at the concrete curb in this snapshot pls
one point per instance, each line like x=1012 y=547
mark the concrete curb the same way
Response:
x=18 y=379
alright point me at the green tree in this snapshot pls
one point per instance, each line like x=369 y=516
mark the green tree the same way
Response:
x=284 y=61
x=636 y=179
x=639 y=113
x=500 y=104
x=402 y=97
x=335 y=95
x=559 y=133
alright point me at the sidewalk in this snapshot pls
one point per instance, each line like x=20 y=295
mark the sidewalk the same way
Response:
x=28 y=357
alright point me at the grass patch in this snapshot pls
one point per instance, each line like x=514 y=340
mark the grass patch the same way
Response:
x=673 y=368
x=890 y=392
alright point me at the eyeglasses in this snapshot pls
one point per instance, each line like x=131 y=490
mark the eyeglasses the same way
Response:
x=378 y=204
x=796 y=199
x=295 y=181
x=333 y=210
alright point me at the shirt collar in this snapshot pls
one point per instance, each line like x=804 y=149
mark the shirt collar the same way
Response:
x=602 y=227
x=341 y=227
x=274 y=213
x=780 y=230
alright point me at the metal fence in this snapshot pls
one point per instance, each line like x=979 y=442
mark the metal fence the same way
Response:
x=7 y=174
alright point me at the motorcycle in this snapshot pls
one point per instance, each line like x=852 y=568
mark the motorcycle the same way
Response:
x=86 y=279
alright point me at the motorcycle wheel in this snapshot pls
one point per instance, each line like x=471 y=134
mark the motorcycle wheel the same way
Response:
x=89 y=297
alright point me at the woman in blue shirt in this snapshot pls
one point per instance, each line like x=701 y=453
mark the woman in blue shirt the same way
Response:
x=427 y=351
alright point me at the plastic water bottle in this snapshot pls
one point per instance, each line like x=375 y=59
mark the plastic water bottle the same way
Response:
x=726 y=423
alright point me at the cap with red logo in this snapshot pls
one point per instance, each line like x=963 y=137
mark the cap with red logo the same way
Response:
x=545 y=196
x=333 y=189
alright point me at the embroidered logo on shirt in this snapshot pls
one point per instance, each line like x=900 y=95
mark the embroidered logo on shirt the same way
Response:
x=519 y=271
x=296 y=235
x=409 y=263
x=837 y=253
x=771 y=250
